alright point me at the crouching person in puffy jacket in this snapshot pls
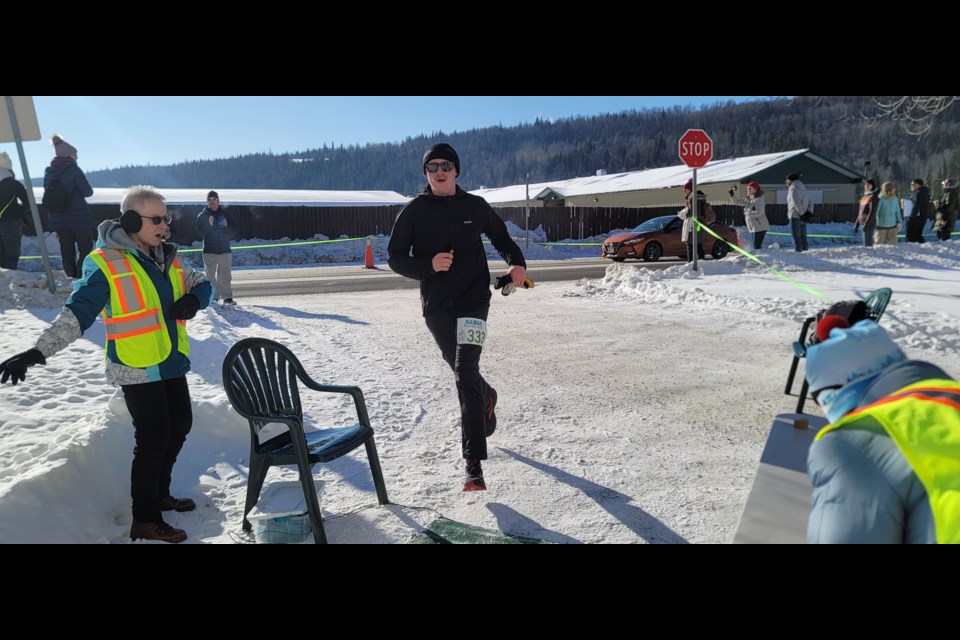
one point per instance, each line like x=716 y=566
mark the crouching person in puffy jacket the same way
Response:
x=146 y=296
x=887 y=467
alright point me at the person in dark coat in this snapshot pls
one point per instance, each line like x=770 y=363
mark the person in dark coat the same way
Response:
x=867 y=218
x=14 y=214
x=74 y=226
x=436 y=239
x=947 y=208
x=215 y=225
x=921 y=211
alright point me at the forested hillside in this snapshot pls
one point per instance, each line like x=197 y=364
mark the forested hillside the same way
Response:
x=579 y=146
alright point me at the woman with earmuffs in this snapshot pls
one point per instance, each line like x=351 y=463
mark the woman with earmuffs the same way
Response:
x=146 y=295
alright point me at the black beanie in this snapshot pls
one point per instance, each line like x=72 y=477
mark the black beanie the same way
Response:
x=793 y=177
x=441 y=151
x=213 y=194
x=919 y=181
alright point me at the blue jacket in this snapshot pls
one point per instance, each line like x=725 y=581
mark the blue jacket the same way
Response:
x=888 y=213
x=77 y=217
x=864 y=489
x=216 y=237
x=91 y=293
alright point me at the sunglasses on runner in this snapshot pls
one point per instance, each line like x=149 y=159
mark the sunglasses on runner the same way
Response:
x=446 y=166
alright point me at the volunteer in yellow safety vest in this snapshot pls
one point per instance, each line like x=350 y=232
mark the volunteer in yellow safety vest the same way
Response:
x=145 y=295
x=887 y=468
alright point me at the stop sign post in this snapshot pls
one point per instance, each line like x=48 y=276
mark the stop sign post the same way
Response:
x=696 y=150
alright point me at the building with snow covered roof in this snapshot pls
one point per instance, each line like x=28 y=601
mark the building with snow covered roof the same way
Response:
x=827 y=182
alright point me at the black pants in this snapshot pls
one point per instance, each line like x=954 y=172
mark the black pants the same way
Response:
x=162 y=417
x=72 y=240
x=690 y=251
x=10 y=245
x=915 y=226
x=472 y=389
x=758 y=240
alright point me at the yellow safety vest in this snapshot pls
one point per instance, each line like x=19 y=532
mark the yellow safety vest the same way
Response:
x=134 y=318
x=923 y=419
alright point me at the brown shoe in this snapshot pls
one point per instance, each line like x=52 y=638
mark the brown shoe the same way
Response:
x=177 y=504
x=158 y=530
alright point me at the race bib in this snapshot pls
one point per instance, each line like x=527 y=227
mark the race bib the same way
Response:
x=471 y=331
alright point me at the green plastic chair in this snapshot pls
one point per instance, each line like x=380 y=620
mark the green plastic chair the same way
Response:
x=260 y=377
x=876 y=304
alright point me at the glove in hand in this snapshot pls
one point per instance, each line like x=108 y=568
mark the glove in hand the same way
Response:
x=185 y=308
x=15 y=368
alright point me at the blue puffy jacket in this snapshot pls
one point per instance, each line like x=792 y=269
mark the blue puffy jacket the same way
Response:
x=864 y=489
x=77 y=217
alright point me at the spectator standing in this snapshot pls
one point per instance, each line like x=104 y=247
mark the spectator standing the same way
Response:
x=946 y=208
x=919 y=212
x=798 y=203
x=14 y=214
x=705 y=217
x=215 y=226
x=867 y=218
x=74 y=225
x=754 y=212
x=889 y=218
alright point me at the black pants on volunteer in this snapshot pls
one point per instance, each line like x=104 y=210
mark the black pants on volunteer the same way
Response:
x=162 y=417
x=472 y=389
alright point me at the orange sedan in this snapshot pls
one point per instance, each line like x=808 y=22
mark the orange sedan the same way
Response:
x=659 y=237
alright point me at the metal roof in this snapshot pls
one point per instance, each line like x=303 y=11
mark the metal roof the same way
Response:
x=728 y=170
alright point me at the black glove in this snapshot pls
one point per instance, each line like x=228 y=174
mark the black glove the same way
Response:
x=505 y=282
x=731 y=192
x=15 y=368
x=185 y=308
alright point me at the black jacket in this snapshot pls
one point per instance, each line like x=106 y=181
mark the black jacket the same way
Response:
x=216 y=238
x=429 y=225
x=922 y=206
x=13 y=196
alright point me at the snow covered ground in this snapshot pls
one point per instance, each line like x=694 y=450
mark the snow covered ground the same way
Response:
x=632 y=408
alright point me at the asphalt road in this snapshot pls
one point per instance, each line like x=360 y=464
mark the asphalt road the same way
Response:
x=248 y=283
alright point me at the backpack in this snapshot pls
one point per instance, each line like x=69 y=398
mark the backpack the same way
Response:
x=55 y=197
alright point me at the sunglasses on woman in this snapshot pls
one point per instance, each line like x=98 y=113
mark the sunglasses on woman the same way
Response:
x=156 y=220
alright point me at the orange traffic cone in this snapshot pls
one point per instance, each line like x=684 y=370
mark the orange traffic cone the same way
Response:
x=368 y=258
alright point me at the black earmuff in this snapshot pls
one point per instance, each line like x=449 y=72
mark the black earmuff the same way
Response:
x=131 y=221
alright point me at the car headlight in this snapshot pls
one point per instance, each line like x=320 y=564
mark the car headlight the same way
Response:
x=630 y=243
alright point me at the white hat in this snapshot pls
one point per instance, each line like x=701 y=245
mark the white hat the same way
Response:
x=5 y=162
x=841 y=368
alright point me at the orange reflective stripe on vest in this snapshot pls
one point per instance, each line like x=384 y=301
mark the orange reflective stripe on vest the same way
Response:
x=134 y=318
x=923 y=419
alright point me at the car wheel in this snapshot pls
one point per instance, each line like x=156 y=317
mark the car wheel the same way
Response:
x=720 y=249
x=652 y=252
x=618 y=259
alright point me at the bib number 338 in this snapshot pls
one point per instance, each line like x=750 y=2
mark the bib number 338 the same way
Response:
x=471 y=331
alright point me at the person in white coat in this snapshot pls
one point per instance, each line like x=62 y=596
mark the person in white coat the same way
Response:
x=754 y=212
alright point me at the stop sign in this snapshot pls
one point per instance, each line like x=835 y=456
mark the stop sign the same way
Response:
x=696 y=148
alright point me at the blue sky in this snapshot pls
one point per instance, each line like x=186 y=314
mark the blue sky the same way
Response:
x=115 y=131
